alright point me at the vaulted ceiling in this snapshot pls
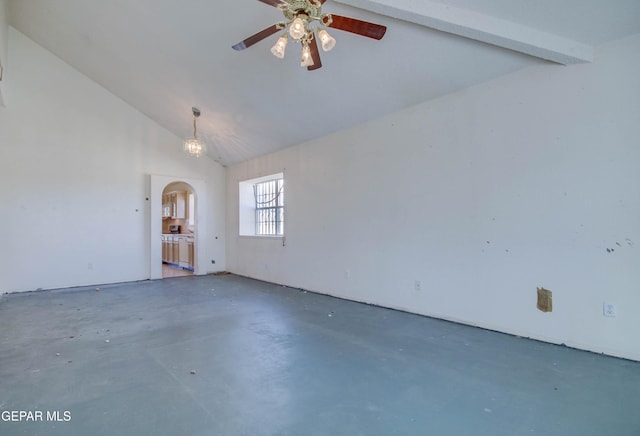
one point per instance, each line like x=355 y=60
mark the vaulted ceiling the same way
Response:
x=165 y=56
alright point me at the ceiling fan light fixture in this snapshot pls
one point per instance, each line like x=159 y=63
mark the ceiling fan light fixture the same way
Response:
x=307 y=59
x=327 y=41
x=193 y=146
x=280 y=46
x=298 y=29
x=305 y=23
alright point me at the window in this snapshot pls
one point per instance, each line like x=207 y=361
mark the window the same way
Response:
x=269 y=200
x=192 y=209
x=262 y=206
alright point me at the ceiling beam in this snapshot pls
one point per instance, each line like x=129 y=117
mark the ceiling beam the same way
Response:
x=481 y=27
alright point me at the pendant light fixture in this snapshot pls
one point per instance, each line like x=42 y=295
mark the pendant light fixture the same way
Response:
x=193 y=146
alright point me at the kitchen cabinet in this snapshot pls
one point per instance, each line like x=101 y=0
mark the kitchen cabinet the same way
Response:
x=180 y=211
x=175 y=251
x=191 y=252
x=174 y=205
x=166 y=209
x=178 y=250
x=183 y=253
x=167 y=248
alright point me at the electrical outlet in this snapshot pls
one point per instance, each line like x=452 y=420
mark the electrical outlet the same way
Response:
x=418 y=285
x=609 y=309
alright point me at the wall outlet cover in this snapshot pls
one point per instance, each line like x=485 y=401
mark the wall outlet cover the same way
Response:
x=609 y=309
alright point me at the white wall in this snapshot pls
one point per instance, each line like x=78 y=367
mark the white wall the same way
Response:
x=75 y=166
x=483 y=196
x=4 y=47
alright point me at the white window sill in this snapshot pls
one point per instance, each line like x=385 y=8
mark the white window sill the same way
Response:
x=261 y=236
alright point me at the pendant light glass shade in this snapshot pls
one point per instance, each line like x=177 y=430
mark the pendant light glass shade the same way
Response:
x=193 y=146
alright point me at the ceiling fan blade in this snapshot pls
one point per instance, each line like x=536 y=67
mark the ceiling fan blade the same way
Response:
x=315 y=55
x=257 y=37
x=364 y=28
x=274 y=3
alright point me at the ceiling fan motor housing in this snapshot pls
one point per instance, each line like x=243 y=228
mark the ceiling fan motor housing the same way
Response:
x=294 y=8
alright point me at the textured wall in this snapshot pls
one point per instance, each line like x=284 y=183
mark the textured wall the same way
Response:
x=483 y=196
x=4 y=48
x=75 y=165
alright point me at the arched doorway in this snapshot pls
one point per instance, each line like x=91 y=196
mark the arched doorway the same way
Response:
x=178 y=230
x=158 y=226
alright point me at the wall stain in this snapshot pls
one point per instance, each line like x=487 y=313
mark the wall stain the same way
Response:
x=628 y=241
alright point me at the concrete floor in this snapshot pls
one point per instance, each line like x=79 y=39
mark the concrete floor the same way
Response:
x=271 y=360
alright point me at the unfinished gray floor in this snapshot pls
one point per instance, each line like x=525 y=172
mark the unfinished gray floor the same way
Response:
x=271 y=360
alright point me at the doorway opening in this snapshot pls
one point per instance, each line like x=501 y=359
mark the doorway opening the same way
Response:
x=178 y=230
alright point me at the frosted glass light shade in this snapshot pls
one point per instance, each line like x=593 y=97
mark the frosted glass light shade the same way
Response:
x=279 y=48
x=306 y=60
x=298 y=29
x=327 y=41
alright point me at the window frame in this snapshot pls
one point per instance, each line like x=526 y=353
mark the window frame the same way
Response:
x=248 y=210
x=269 y=207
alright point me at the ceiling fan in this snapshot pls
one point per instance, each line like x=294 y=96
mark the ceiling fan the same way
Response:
x=306 y=24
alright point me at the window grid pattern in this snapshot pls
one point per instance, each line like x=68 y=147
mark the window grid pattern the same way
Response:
x=269 y=197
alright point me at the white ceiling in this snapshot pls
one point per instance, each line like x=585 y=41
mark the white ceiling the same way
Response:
x=165 y=56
